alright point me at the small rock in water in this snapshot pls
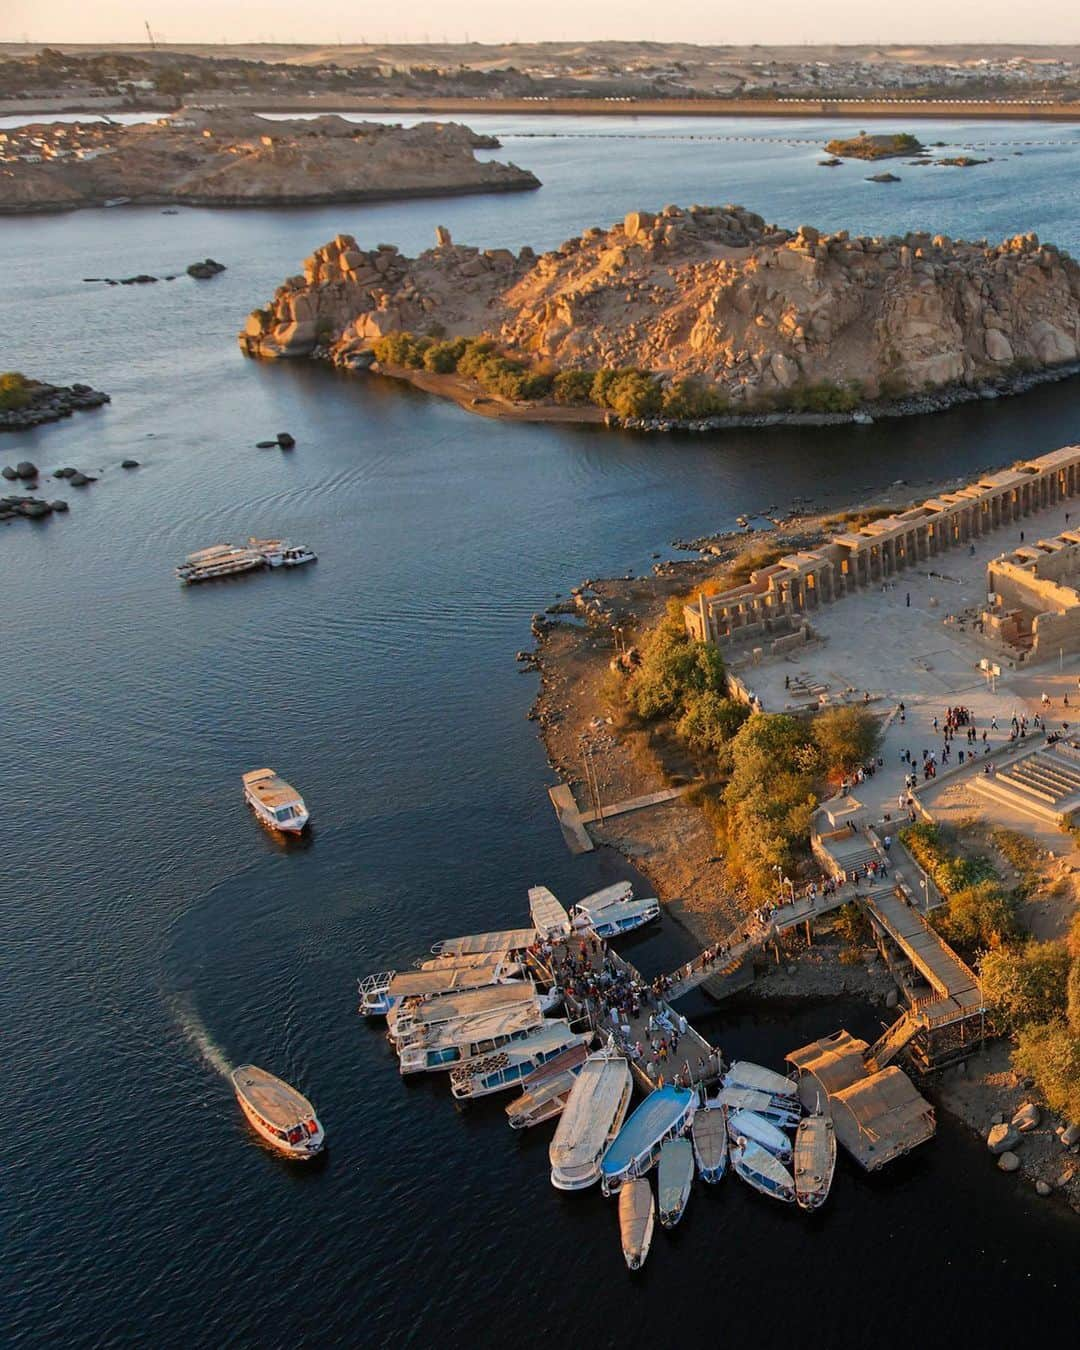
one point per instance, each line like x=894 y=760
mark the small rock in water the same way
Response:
x=266 y=445
x=285 y=440
x=59 y=505
x=205 y=269
x=1043 y=1188
x=129 y=464
x=1001 y=1138
x=25 y=469
x=1008 y=1162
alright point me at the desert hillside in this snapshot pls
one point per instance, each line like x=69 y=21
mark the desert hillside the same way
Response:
x=746 y=311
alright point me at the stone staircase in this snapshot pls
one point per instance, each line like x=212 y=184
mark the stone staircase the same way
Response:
x=1044 y=784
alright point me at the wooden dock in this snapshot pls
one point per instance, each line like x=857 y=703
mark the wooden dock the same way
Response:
x=572 y=820
x=693 y=1061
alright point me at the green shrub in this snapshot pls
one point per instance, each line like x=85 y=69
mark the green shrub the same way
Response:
x=977 y=916
x=401 y=349
x=710 y=720
x=687 y=399
x=1026 y=983
x=673 y=669
x=14 y=391
x=1050 y=1053
x=442 y=357
x=573 y=386
x=477 y=351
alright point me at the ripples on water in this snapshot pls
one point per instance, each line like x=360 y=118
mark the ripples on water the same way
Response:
x=155 y=934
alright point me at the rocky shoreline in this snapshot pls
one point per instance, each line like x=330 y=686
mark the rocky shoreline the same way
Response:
x=697 y=319
x=51 y=403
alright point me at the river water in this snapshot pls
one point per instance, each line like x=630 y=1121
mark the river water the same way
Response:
x=155 y=935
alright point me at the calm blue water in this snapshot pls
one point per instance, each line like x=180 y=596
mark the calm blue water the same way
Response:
x=155 y=935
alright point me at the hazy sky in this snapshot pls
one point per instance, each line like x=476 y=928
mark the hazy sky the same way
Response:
x=329 y=21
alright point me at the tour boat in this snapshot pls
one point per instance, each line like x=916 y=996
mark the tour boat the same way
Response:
x=418 y=1015
x=663 y=1114
x=271 y=549
x=383 y=991
x=546 y=1090
x=609 y=913
x=274 y=801
x=747 y=1125
x=609 y=895
x=221 y=560
x=637 y=1215
x=593 y=1117
x=506 y=940
x=507 y=1067
x=743 y=1074
x=815 y=1161
x=783 y=1111
x=446 y=1047
x=758 y=1168
x=674 y=1178
x=548 y=915
x=277 y=1112
x=709 y=1133
x=510 y=961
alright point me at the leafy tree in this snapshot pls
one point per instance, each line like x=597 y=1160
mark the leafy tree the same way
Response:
x=980 y=915
x=846 y=737
x=710 y=720
x=1026 y=984
x=442 y=357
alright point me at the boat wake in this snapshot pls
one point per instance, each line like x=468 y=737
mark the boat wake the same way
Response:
x=197 y=1036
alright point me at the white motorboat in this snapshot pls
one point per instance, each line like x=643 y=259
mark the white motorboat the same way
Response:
x=276 y=803
x=674 y=1178
x=280 y=1114
x=785 y=1112
x=664 y=1114
x=743 y=1074
x=637 y=1216
x=758 y=1168
x=815 y=1160
x=447 y=1047
x=506 y=940
x=415 y=1016
x=546 y=1090
x=747 y=1125
x=613 y=911
x=296 y=555
x=507 y=1067
x=594 y=1115
x=709 y=1134
x=548 y=915
x=220 y=560
x=384 y=990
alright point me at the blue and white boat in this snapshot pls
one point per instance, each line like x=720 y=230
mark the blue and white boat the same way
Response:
x=786 y=1112
x=748 y=1125
x=451 y=1044
x=664 y=1114
x=507 y=1067
x=609 y=918
x=387 y=989
x=758 y=1168
x=709 y=1133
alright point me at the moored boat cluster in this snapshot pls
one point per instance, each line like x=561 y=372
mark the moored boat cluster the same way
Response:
x=477 y=1008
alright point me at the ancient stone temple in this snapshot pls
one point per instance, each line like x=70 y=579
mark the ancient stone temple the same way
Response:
x=1033 y=609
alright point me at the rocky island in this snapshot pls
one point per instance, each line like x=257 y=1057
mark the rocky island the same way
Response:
x=202 y=158
x=691 y=317
x=26 y=403
x=892 y=146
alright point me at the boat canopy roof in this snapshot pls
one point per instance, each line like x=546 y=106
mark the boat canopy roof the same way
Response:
x=409 y=983
x=469 y=962
x=676 y=1173
x=552 y=1035
x=590 y=1110
x=271 y=790
x=480 y=1027
x=658 y=1113
x=610 y=895
x=619 y=909
x=549 y=916
x=467 y=1003
x=213 y=554
x=507 y=940
x=760 y=1160
x=279 y=1104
